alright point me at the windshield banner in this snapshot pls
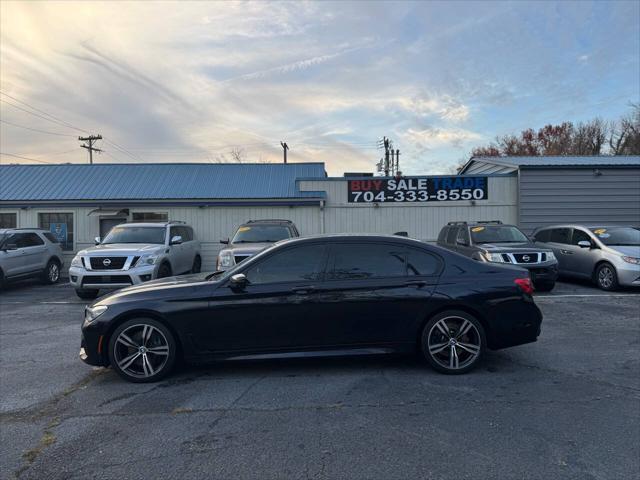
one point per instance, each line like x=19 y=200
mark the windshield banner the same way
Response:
x=418 y=189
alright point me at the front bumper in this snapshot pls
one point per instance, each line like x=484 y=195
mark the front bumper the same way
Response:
x=93 y=346
x=542 y=273
x=628 y=274
x=81 y=278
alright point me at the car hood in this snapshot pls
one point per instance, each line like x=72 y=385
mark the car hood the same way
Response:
x=512 y=247
x=152 y=287
x=247 y=248
x=123 y=249
x=626 y=250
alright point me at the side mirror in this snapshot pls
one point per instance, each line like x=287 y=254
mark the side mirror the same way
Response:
x=238 y=281
x=584 y=244
x=225 y=242
x=97 y=240
x=176 y=240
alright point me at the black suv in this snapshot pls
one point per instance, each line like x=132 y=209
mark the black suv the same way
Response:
x=493 y=241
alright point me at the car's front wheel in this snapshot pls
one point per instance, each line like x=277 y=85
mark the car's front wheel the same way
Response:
x=51 y=274
x=86 y=294
x=606 y=277
x=453 y=342
x=142 y=350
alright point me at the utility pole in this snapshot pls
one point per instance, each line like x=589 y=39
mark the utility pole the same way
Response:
x=90 y=139
x=386 y=157
x=285 y=147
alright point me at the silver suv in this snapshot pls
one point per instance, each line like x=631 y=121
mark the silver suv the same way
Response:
x=29 y=252
x=133 y=253
x=606 y=255
x=252 y=237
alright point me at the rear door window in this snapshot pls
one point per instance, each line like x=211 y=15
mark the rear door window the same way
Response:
x=561 y=235
x=357 y=261
x=420 y=263
x=463 y=236
x=51 y=237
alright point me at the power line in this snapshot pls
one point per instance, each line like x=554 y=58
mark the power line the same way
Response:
x=24 y=158
x=36 y=129
x=53 y=117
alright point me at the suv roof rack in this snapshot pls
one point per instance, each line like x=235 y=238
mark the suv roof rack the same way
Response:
x=176 y=221
x=269 y=220
x=495 y=222
x=482 y=222
x=456 y=223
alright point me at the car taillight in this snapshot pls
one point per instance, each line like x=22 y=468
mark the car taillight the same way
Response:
x=525 y=285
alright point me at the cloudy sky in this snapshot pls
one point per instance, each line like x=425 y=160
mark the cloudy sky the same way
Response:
x=191 y=81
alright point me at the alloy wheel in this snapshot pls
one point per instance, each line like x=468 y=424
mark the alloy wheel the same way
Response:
x=141 y=350
x=605 y=277
x=54 y=272
x=454 y=343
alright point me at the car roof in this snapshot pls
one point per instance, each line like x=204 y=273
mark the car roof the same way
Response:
x=336 y=237
x=24 y=229
x=145 y=224
x=577 y=225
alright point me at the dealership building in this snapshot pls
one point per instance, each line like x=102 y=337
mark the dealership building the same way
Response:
x=79 y=201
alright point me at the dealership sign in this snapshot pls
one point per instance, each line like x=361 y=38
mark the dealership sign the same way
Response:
x=418 y=189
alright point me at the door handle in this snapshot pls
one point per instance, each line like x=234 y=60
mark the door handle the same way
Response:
x=566 y=252
x=415 y=283
x=302 y=290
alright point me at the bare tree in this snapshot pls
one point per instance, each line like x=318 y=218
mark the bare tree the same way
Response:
x=237 y=155
x=624 y=138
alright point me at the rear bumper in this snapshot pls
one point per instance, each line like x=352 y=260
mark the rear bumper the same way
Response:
x=516 y=323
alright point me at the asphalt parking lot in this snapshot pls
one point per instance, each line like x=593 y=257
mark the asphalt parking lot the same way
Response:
x=567 y=406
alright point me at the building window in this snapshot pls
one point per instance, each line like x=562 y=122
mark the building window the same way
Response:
x=8 y=220
x=61 y=225
x=150 y=217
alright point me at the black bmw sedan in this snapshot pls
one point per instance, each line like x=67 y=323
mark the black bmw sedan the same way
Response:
x=325 y=295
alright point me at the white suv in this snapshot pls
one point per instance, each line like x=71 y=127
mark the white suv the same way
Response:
x=133 y=253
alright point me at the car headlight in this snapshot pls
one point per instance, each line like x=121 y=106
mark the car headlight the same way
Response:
x=634 y=260
x=493 y=257
x=550 y=256
x=91 y=313
x=225 y=259
x=77 y=261
x=150 y=259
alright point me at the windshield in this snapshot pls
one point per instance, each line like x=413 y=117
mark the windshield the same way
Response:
x=497 y=234
x=135 y=235
x=261 y=233
x=618 y=235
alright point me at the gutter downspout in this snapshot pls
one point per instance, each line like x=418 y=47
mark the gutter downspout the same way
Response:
x=322 y=205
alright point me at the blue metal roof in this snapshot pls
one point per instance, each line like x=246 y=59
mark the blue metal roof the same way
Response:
x=565 y=161
x=157 y=181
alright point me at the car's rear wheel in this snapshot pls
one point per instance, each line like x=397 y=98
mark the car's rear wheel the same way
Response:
x=142 y=350
x=197 y=265
x=453 y=342
x=544 y=286
x=86 y=294
x=51 y=274
x=606 y=277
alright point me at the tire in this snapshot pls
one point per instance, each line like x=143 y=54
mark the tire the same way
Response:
x=142 y=350
x=164 y=271
x=606 y=277
x=544 y=286
x=197 y=264
x=51 y=273
x=451 y=352
x=87 y=294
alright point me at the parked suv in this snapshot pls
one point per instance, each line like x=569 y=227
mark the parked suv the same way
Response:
x=133 y=253
x=251 y=237
x=29 y=252
x=609 y=256
x=496 y=242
